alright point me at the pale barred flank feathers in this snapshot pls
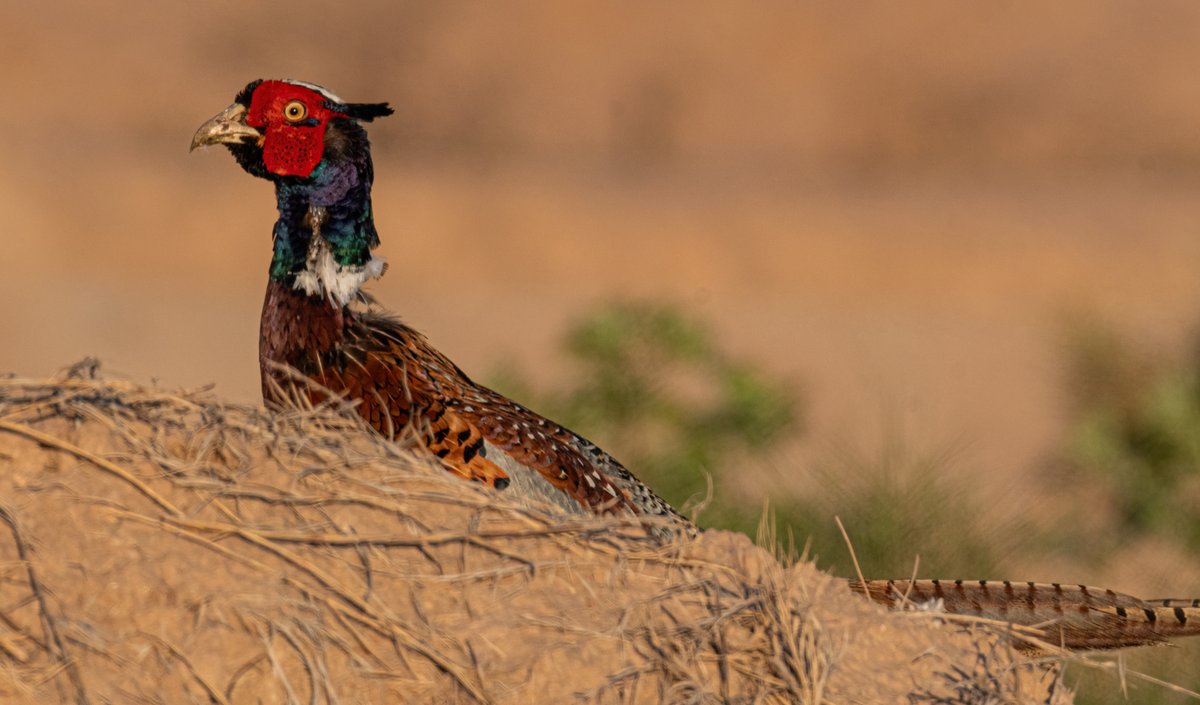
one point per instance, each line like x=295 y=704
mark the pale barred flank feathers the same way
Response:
x=339 y=283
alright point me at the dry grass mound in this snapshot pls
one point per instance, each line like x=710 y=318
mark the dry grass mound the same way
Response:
x=169 y=548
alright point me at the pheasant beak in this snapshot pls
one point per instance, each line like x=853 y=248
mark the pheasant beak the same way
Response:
x=227 y=127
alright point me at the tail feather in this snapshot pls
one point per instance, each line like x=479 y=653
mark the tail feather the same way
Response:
x=1072 y=616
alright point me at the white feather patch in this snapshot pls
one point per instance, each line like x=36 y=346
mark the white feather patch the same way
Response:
x=323 y=276
x=314 y=87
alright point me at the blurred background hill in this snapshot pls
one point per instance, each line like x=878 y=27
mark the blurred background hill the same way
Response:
x=902 y=211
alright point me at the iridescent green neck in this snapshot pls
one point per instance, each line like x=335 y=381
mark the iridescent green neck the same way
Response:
x=325 y=232
x=343 y=196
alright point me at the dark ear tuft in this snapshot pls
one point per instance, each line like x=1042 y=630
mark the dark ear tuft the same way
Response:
x=247 y=93
x=361 y=111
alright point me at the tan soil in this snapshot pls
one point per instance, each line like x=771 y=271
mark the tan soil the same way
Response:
x=157 y=548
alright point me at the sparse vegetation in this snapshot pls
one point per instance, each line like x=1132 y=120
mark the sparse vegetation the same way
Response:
x=1137 y=431
x=654 y=389
x=657 y=391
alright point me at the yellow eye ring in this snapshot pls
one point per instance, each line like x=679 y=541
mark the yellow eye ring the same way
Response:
x=295 y=111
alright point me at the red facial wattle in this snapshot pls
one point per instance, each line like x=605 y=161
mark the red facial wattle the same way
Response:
x=293 y=120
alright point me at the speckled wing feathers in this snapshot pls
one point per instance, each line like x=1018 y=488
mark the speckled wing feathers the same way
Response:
x=563 y=459
x=400 y=381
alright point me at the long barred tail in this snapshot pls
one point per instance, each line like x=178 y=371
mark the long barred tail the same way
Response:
x=1071 y=616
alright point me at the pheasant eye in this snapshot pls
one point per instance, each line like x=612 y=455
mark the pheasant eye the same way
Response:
x=295 y=111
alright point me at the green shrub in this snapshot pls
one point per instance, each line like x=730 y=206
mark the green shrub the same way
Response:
x=651 y=387
x=1136 y=430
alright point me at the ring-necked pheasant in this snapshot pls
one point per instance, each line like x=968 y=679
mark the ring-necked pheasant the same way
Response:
x=317 y=323
x=315 y=319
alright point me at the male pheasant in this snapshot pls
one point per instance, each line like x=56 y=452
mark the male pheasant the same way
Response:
x=318 y=324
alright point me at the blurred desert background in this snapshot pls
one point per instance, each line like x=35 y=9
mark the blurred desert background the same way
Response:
x=899 y=208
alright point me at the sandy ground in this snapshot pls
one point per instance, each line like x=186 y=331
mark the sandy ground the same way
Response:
x=165 y=549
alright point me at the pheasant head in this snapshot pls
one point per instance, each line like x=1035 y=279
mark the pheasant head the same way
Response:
x=310 y=143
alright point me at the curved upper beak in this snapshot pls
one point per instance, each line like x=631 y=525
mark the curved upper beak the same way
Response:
x=227 y=127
